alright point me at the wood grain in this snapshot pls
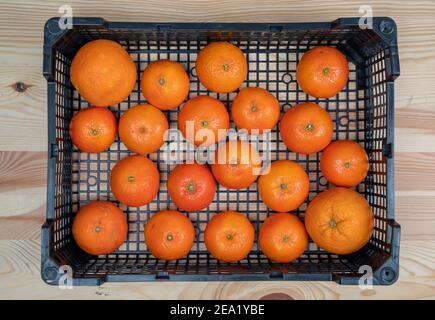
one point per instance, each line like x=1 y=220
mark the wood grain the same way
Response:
x=23 y=143
x=23 y=227
x=23 y=123
x=19 y=270
x=414 y=171
x=22 y=169
x=22 y=182
x=415 y=213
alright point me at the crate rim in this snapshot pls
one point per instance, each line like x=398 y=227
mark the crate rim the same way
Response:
x=52 y=31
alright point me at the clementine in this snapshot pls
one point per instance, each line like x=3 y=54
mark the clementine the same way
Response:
x=142 y=128
x=229 y=236
x=255 y=109
x=339 y=220
x=221 y=67
x=135 y=180
x=203 y=120
x=169 y=235
x=283 y=237
x=322 y=72
x=236 y=164
x=191 y=186
x=285 y=187
x=165 y=84
x=99 y=227
x=103 y=73
x=344 y=163
x=93 y=129
x=306 y=128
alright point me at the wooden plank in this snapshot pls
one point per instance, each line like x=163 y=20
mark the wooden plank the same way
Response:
x=23 y=227
x=19 y=170
x=414 y=171
x=21 y=201
x=23 y=115
x=22 y=182
x=415 y=214
x=20 y=261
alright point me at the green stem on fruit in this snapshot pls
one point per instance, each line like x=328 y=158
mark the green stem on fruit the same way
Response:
x=309 y=127
x=191 y=187
x=332 y=223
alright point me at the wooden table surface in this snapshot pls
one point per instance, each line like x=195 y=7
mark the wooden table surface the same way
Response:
x=23 y=144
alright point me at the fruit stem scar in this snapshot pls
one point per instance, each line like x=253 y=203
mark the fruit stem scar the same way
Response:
x=347 y=165
x=309 y=127
x=142 y=129
x=226 y=66
x=229 y=237
x=332 y=223
x=169 y=237
x=204 y=123
x=254 y=108
x=94 y=132
x=282 y=186
x=130 y=178
x=325 y=71
x=97 y=229
x=191 y=187
x=162 y=81
x=285 y=239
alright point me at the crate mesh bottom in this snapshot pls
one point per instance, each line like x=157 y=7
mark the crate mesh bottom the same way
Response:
x=358 y=114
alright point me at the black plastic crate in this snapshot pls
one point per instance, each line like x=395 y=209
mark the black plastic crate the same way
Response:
x=362 y=111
